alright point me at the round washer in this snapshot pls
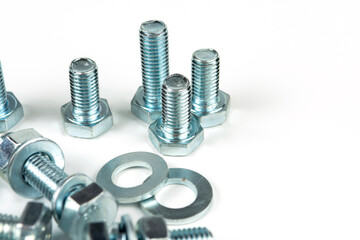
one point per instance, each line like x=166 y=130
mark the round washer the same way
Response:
x=135 y=159
x=199 y=184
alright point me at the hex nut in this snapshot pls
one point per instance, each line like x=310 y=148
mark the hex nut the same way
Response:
x=152 y=228
x=75 y=129
x=90 y=204
x=218 y=115
x=138 y=108
x=14 y=115
x=176 y=146
x=35 y=222
x=16 y=148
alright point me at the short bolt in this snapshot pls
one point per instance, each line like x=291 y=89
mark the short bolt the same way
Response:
x=177 y=132
x=87 y=115
x=11 y=110
x=209 y=104
x=146 y=103
x=34 y=223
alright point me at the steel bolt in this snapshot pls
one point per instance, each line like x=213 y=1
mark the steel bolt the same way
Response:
x=34 y=223
x=209 y=104
x=146 y=103
x=177 y=132
x=11 y=110
x=87 y=115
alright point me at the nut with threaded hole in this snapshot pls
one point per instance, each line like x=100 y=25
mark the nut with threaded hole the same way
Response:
x=32 y=165
x=34 y=223
x=177 y=132
x=209 y=104
x=146 y=103
x=87 y=115
x=147 y=228
x=11 y=110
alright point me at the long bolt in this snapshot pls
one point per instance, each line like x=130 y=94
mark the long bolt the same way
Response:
x=191 y=234
x=84 y=90
x=154 y=61
x=3 y=96
x=205 y=80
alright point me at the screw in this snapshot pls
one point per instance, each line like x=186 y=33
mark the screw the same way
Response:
x=209 y=104
x=34 y=223
x=87 y=115
x=11 y=110
x=177 y=132
x=32 y=165
x=146 y=103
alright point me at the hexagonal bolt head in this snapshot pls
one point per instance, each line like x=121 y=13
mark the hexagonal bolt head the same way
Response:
x=14 y=115
x=16 y=148
x=35 y=222
x=176 y=147
x=97 y=231
x=90 y=204
x=152 y=228
x=218 y=115
x=138 y=108
x=84 y=130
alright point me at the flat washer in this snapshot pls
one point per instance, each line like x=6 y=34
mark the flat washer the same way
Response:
x=144 y=191
x=199 y=184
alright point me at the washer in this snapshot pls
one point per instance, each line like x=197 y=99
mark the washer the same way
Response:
x=199 y=184
x=135 y=159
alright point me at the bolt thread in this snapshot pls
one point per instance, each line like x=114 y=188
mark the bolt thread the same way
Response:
x=3 y=95
x=176 y=105
x=84 y=90
x=191 y=234
x=8 y=227
x=43 y=175
x=154 y=61
x=205 y=79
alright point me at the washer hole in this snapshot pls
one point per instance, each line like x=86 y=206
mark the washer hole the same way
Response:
x=131 y=177
x=176 y=196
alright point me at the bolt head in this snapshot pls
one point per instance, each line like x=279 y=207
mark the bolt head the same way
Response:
x=97 y=231
x=138 y=108
x=16 y=148
x=176 y=146
x=35 y=222
x=152 y=228
x=217 y=115
x=14 y=115
x=90 y=204
x=87 y=130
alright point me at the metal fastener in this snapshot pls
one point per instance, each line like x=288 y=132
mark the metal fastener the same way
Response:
x=87 y=115
x=33 y=165
x=34 y=223
x=209 y=104
x=11 y=110
x=177 y=132
x=146 y=103
x=148 y=228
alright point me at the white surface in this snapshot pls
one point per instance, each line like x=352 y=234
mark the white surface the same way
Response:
x=284 y=166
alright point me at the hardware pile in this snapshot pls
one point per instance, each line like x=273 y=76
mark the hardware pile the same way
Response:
x=83 y=209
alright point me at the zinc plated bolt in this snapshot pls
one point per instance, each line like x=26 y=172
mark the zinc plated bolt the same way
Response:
x=11 y=110
x=148 y=228
x=209 y=104
x=32 y=165
x=177 y=132
x=87 y=115
x=34 y=223
x=146 y=103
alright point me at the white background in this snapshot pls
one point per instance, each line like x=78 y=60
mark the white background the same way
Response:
x=286 y=163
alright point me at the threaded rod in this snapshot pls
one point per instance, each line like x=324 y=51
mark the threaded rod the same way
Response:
x=191 y=234
x=3 y=95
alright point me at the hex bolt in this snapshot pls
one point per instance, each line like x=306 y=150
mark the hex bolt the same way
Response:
x=209 y=104
x=87 y=115
x=33 y=167
x=34 y=223
x=148 y=228
x=11 y=110
x=177 y=132
x=146 y=103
